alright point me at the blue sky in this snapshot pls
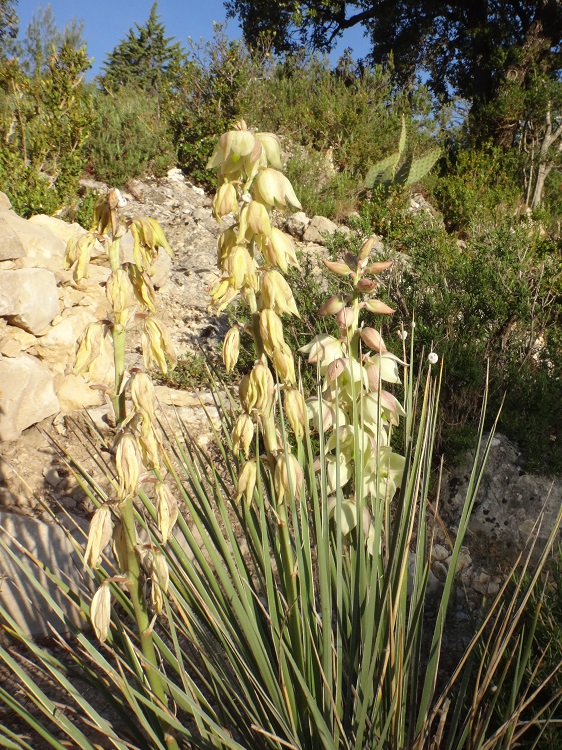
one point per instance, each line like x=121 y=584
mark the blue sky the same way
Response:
x=106 y=22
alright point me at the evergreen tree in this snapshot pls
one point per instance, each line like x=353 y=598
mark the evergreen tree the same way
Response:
x=146 y=59
x=43 y=38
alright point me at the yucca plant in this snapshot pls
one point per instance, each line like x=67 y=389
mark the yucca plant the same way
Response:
x=288 y=609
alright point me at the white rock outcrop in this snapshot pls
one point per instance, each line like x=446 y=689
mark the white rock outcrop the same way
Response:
x=27 y=394
x=29 y=298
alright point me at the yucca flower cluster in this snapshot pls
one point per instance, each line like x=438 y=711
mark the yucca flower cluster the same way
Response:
x=252 y=254
x=355 y=413
x=129 y=291
x=138 y=444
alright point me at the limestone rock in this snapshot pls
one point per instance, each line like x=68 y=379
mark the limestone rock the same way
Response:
x=508 y=503
x=11 y=245
x=296 y=224
x=43 y=248
x=29 y=298
x=58 y=345
x=74 y=393
x=318 y=228
x=27 y=394
x=4 y=201
x=24 y=339
x=10 y=347
x=49 y=544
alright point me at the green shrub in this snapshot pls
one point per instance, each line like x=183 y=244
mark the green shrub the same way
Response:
x=44 y=126
x=129 y=138
x=477 y=186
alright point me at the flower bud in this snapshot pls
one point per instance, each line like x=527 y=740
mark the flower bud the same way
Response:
x=277 y=294
x=247 y=481
x=142 y=394
x=284 y=364
x=366 y=248
x=346 y=318
x=150 y=443
x=225 y=201
x=294 y=405
x=99 y=536
x=279 y=250
x=372 y=338
x=157 y=344
x=288 y=475
x=376 y=306
x=271 y=331
x=159 y=237
x=331 y=307
x=241 y=268
x=100 y=612
x=273 y=188
x=231 y=348
x=254 y=217
x=127 y=465
x=166 y=510
x=79 y=250
x=272 y=148
x=367 y=286
x=222 y=294
x=378 y=267
x=341 y=269
x=336 y=368
x=261 y=384
x=225 y=243
x=243 y=434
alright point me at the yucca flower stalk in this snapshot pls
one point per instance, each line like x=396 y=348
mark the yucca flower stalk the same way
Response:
x=137 y=443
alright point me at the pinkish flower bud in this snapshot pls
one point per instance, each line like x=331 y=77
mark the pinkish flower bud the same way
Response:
x=346 y=318
x=378 y=267
x=331 y=307
x=366 y=285
x=376 y=306
x=341 y=269
x=373 y=339
x=336 y=368
x=366 y=248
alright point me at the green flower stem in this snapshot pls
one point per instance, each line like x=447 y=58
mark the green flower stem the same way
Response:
x=141 y=614
x=118 y=332
x=289 y=570
x=118 y=400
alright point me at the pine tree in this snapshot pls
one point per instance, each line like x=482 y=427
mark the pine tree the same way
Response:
x=146 y=59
